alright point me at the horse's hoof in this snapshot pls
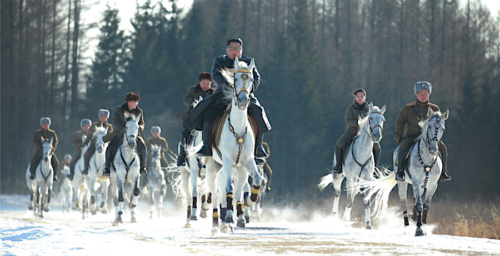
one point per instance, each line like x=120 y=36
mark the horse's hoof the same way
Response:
x=188 y=225
x=247 y=219
x=131 y=205
x=193 y=217
x=241 y=224
x=224 y=228
x=215 y=231
x=115 y=223
x=46 y=209
x=30 y=207
x=203 y=214
x=133 y=220
x=104 y=211
x=229 y=217
x=419 y=232
x=94 y=212
x=369 y=226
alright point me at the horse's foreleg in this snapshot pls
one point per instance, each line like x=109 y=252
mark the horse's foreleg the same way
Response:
x=350 y=199
x=242 y=179
x=427 y=202
x=119 y=185
x=227 y=171
x=337 y=182
x=185 y=179
x=135 y=192
x=104 y=191
x=257 y=181
x=194 y=194
x=403 y=187
x=212 y=190
x=366 y=201
x=151 y=198
x=418 y=198
x=92 y=181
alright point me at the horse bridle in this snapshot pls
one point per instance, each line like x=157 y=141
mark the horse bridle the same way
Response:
x=378 y=125
x=437 y=125
x=245 y=77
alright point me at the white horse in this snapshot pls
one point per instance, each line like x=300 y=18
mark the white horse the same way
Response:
x=66 y=191
x=359 y=163
x=95 y=178
x=156 y=181
x=235 y=149
x=81 y=195
x=41 y=186
x=126 y=166
x=190 y=176
x=423 y=172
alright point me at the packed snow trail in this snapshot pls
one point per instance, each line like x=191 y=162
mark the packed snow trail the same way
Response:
x=67 y=234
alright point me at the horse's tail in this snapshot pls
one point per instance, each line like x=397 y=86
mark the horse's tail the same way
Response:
x=175 y=178
x=325 y=181
x=382 y=187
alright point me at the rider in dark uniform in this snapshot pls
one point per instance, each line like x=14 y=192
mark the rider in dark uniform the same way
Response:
x=103 y=115
x=158 y=141
x=205 y=112
x=116 y=138
x=78 y=143
x=203 y=89
x=410 y=116
x=46 y=134
x=359 y=109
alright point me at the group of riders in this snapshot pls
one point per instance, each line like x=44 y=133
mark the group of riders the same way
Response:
x=205 y=104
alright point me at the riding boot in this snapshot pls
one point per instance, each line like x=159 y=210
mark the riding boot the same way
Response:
x=71 y=171
x=339 y=153
x=110 y=155
x=32 y=173
x=206 y=150
x=142 y=158
x=54 y=176
x=444 y=173
x=400 y=175
x=181 y=159
x=86 y=163
x=260 y=152
x=376 y=158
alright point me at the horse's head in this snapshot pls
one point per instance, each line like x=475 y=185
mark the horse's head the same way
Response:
x=66 y=171
x=433 y=129
x=155 y=156
x=373 y=123
x=242 y=83
x=99 y=133
x=132 y=129
x=47 y=149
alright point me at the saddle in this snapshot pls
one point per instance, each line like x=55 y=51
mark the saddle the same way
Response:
x=218 y=124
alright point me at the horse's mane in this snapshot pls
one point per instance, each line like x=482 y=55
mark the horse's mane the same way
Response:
x=424 y=126
x=99 y=130
x=228 y=73
x=363 y=121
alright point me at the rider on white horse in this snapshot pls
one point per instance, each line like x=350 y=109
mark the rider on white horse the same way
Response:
x=158 y=141
x=359 y=109
x=411 y=115
x=46 y=134
x=119 y=122
x=103 y=115
x=78 y=143
x=202 y=90
x=209 y=108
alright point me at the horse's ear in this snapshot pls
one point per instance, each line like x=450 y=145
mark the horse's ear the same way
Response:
x=159 y=148
x=42 y=139
x=446 y=114
x=382 y=110
x=126 y=115
x=252 y=64
x=51 y=140
x=137 y=118
x=371 y=105
x=430 y=112
x=106 y=131
x=236 y=63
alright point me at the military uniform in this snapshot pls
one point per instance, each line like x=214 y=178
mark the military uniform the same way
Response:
x=353 y=113
x=410 y=116
x=159 y=141
x=207 y=110
x=78 y=144
x=37 y=141
x=91 y=149
x=116 y=137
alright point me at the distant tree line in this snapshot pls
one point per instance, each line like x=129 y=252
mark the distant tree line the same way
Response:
x=311 y=54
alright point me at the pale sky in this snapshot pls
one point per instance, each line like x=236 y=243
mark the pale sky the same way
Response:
x=127 y=9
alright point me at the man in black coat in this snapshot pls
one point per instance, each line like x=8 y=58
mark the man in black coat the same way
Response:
x=209 y=108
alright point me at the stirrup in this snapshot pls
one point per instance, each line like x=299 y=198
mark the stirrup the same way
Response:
x=142 y=170
x=106 y=171
x=400 y=175
x=205 y=151
x=337 y=169
x=260 y=153
x=444 y=176
x=55 y=179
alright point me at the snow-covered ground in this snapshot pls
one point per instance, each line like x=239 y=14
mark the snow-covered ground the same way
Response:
x=68 y=234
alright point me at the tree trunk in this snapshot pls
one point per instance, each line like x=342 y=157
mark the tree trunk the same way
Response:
x=74 y=62
x=66 y=68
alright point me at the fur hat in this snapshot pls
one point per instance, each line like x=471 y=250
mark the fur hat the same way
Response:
x=132 y=96
x=422 y=85
x=204 y=75
x=45 y=120
x=103 y=112
x=156 y=129
x=85 y=121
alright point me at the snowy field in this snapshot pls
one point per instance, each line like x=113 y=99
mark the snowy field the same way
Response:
x=68 y=234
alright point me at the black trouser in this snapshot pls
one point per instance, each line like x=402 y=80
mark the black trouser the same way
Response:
x=88 y=154
x=115 y=144
x=35 y=161
x=76 y=156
